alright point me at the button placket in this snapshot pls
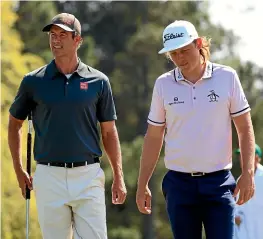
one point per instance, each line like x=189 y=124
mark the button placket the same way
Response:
x=66 y=88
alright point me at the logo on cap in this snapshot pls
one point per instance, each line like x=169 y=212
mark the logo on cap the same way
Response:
x=67 y=20
x=170 y=36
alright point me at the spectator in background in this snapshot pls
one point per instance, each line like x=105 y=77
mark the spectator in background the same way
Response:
x=249 y=216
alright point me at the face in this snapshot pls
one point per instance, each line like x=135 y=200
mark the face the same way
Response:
x=187 y=58
x=62 y=42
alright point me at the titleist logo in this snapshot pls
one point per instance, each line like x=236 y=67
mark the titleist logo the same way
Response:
x=170 y=36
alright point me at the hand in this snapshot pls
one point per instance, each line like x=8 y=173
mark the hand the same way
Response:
x=24 y=179
x=119 y=191
x=238 y=220
x=245 y=187
x=143 y=200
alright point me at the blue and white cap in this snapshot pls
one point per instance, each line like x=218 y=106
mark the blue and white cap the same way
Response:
x=178 y=34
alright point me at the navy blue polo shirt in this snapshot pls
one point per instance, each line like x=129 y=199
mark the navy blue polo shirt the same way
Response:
x=65 y=111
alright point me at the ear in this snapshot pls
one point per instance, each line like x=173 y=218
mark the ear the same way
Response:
x=199 y=43
x=77 y=38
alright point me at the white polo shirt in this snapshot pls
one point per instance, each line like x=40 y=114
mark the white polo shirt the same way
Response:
x=198 y=117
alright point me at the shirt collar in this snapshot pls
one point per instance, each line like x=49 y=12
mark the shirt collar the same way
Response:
x=178 y=76
x=82 y=69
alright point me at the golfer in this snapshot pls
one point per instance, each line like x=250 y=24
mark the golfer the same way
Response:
x=248 y=216
x=192 y=108
x=67 y=99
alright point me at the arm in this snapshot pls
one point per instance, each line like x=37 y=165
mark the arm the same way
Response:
x=150 y=154
x=112 y=147
x=246 y=138
x=152 y=145
x=153 y=142
x=245 y=132
x=19 y=110
x=14 y=141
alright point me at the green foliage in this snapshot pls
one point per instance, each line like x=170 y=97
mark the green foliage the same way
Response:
x=122 y=40
x=14 y=66
x=39 y=13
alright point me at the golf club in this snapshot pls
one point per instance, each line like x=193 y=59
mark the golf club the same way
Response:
x=28 y=166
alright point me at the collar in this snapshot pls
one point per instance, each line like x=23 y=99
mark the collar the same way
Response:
x=82 y=69
x=178 y=76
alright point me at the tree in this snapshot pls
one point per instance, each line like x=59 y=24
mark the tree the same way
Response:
x=40 y=14
x=36 y=41
x=14 y=66
x=122 y=40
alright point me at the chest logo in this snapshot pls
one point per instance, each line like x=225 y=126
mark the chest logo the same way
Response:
x=213 y=96
x=84 y=85
x=176 y=101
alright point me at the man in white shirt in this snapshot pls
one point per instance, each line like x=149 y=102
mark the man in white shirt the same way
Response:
x=249 y=217
x=192 y=106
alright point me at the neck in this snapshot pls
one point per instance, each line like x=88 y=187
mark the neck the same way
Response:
x=195 y=74
x=67 y=65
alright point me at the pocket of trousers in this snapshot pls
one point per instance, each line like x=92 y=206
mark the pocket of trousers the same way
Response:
x=100 y=178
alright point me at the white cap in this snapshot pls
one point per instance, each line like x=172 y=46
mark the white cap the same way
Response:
x=178 y=34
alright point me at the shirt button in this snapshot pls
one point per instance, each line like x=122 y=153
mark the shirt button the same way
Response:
x=194 y=98
x=194 y=87
x=67 y=83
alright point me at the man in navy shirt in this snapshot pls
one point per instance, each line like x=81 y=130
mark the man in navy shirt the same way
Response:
x=67 y=98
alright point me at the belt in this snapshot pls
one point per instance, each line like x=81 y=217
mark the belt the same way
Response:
x=71 y=165
x=200 y=174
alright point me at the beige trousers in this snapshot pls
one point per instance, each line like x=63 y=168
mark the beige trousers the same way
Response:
x=71 y=201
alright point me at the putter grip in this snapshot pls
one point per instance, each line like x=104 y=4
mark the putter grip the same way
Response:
x=28 y=162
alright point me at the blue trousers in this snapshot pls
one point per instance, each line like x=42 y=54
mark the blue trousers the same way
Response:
x=193 y=201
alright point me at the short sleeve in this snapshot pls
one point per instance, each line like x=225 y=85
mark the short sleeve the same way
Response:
x=157 y=112
x=23 y=102
x=106 y=108
x=238 y=103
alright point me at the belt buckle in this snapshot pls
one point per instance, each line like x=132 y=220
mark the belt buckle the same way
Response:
x=197 y=174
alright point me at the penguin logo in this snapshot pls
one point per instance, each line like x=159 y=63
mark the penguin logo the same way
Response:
x=213 y=96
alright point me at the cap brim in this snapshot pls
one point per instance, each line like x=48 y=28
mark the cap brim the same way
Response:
x=66 y=28
x=165 y=50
